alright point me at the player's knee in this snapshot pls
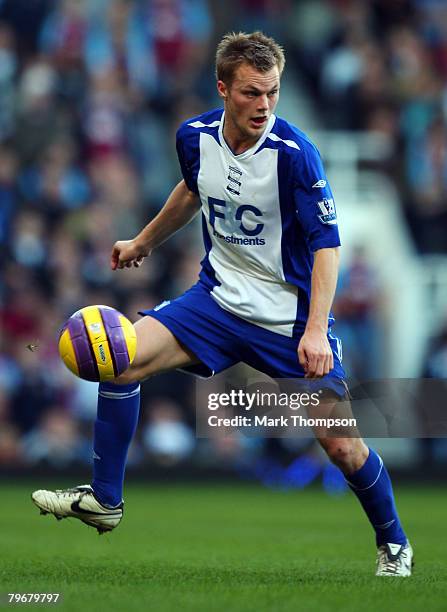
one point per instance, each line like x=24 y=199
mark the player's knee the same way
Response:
x=346 y=453
x=338 y=451
x=131 y=375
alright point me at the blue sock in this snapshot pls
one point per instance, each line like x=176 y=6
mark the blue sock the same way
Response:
x=372 y=485
x=118 y=408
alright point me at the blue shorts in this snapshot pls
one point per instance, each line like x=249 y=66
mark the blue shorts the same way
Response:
x=220 y=340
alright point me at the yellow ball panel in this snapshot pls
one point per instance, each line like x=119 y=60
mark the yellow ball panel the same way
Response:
x=98 y=340
x=67 y=353
x=93 y=323
x=104 y=360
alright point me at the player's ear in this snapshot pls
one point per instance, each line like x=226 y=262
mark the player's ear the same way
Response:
x=222 y=89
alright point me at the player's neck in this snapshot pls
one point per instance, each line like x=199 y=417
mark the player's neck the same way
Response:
x=236 y=140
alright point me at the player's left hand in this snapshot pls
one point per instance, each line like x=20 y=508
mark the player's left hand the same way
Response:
x=315 y=354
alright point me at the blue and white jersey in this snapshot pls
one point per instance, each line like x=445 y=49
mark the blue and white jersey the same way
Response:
x=264 y=213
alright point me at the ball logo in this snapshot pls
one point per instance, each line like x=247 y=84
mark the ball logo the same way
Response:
x=97 y=343
x=102 y=353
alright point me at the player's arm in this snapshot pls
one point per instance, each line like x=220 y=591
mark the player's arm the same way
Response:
x=314 y=352
x=180 y=208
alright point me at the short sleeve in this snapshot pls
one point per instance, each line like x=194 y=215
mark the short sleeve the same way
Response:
x=314 y=201
x=185 y=155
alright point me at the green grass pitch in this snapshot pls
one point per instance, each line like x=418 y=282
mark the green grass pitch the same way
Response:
x=241 y=548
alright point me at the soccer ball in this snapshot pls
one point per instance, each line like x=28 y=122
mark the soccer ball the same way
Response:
x=97 y=343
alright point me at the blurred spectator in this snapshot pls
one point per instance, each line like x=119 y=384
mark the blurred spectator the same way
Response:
x=436 y=362
x=8 y=193
x=356 y=313
x=311 y=29
x=118 y=41
x=55 y=182
x=26 y=18
x=55 y=441
x=40 y=120
x=10 y=375
x=63 y=34
x=165 y=435
x=383 y=65
x=427 y=178
x=35 y=392
x=10 y=451
x=29 y=247
x=8 y=71
x=105 y=115
x=431 y=410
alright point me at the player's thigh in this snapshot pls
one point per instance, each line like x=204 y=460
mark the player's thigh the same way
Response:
x=158 y=350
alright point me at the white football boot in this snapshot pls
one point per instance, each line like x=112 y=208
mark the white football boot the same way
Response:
x=394 y=560
x=81 y=503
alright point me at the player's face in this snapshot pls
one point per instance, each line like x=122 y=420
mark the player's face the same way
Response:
x=249 y=102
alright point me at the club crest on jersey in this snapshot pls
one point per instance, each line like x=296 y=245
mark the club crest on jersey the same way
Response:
x=234 y=178
x=328 y=215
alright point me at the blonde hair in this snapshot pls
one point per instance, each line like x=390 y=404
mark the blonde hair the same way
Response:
x=255 y=49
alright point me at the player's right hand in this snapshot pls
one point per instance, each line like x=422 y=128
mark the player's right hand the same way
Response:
x=315 y=354
x=127 y=253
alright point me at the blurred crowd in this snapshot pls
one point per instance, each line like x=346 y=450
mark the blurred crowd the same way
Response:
x=91 y=94
x=381 y=66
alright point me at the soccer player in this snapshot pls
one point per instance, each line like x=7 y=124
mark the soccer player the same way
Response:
x=265 y=290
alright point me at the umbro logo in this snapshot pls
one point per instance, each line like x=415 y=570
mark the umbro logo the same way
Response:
x=162 y=305
x=385 y=525
x=319 y=184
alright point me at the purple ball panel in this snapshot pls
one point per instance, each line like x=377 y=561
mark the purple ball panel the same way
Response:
x=117 y=342
x=76 y=326
x=85 y=360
